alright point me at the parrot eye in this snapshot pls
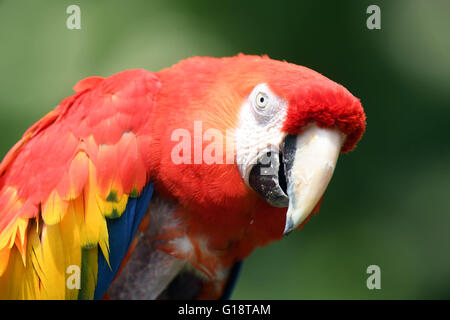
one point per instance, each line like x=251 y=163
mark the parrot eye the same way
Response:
x=264 y=104
x=261 y=100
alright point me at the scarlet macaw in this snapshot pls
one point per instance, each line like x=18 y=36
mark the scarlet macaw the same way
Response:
x=104 y=179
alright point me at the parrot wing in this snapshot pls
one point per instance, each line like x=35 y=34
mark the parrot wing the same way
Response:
x=74 y=190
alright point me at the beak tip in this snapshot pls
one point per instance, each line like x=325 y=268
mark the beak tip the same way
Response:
x=289 y=227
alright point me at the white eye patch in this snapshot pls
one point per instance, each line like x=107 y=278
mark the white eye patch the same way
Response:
x=259 y=130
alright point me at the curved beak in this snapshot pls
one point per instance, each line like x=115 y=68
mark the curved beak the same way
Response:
x=300 y=179
x=310 y=159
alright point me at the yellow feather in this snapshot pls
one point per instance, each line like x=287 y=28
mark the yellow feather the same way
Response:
x=112 y=208
x=11 y=280
x=4 y=258
x=54 y=209
x=8 y=235
x=30 y=284
x=14 y=204
x=53 y=268
x=18 y=281
x=76 y=208
x=96 y=229
x=20 y=241
x=70 y=235
x=36 y=258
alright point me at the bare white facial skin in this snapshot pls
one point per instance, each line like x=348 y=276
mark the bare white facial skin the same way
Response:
x=260 y=121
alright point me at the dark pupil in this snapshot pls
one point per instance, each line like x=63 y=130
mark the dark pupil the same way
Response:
x=261 y=99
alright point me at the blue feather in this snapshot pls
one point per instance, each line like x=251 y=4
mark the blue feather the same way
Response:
x=121 y=232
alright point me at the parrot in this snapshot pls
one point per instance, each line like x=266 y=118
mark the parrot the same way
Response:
x=157 y=185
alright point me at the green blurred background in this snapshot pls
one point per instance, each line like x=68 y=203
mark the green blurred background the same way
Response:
x=388 y=203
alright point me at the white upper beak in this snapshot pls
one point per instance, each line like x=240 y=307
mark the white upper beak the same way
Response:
x=316 y=153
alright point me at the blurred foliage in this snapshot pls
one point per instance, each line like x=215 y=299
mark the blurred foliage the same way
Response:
x=388 y=203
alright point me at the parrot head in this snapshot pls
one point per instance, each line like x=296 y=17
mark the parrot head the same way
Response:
x=292 y=127
x=271 y=133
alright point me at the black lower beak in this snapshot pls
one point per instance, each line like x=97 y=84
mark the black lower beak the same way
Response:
x=269 y=176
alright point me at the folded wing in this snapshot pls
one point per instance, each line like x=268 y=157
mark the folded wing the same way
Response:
x=75 y=188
